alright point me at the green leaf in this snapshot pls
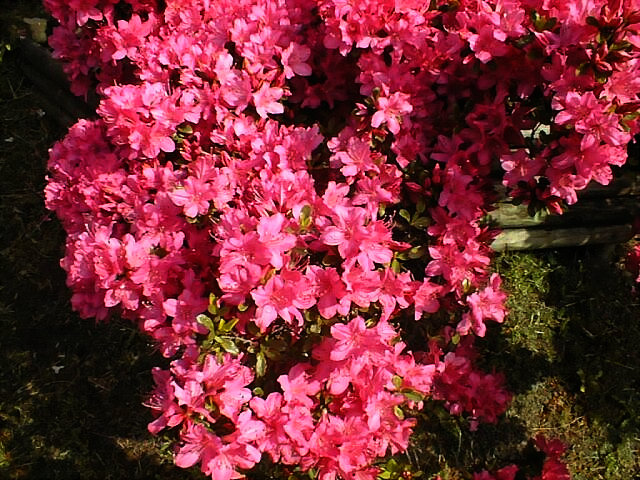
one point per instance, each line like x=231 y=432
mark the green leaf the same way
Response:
x=397 y=411
x=228 y=345
x=226 y=327
x=203 y=319
x=315 y=328
x=261 y=364
x=305 y=212
x=306 y=222
x=271 y=352
x=397 y=381
x=405 y=214
x=395 y=266
x=185 y=129
x=258 y=392
x=402 y=255
x=421 y=222
x=242 y=307
x=417 y=252
x=393 y=465
x=413 y=395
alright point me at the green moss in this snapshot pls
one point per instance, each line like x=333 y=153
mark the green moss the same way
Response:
x=532 y=322
x=575 y=323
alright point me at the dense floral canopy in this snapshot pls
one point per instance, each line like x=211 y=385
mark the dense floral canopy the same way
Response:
x=289 y=196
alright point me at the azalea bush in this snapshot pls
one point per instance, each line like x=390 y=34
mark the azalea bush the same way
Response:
x=290 y=198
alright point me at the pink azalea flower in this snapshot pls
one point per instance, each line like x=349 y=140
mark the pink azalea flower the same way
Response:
x=193 y=195
x=282 y=296
x=162 y=402
x=505 y=473
x=391 y=109
x=274 y=239
x=487 y=304
x=488 y=43
x=394 y=290
x=520 y=167
x=564 y=184
x=266 y=100
x=197 y=180
x=294 y=59
x=358 y=158
x=426 y=298
x=331 y=292
x=236 y=90
x=362 y=285
x=237 y=280
x=185 y=309
x=199 y=445
x=348 y=232
x=297 y=386
x=575 y=108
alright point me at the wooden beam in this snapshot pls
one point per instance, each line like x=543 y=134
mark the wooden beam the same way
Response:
x=537 y=239
x=585 y=213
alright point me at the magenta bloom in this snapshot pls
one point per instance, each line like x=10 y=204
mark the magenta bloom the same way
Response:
x=391 y=110
x=487 y=304
x=284 y=295
x=194 y=197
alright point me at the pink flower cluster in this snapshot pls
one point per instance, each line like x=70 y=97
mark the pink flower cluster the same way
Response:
x=466 y=389
x=336 y=413
x=553 y=467
x=278 y=190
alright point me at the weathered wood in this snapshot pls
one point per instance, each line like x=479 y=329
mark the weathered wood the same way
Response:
x=627 y=184
x=537 y=239
x=50 y=81
x=603 y=214
x=586 y=213
x=64 y=107
x=40 y=59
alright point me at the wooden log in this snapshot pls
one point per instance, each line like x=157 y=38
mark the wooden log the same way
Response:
x=586 y=213
x=64 y=107
x=50 y=81
x=40 y=59
x=604 y=214
x=623 y=185
x=537 y=239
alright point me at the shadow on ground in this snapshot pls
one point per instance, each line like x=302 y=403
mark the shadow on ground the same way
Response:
x=570 y=350
x=72 y=391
